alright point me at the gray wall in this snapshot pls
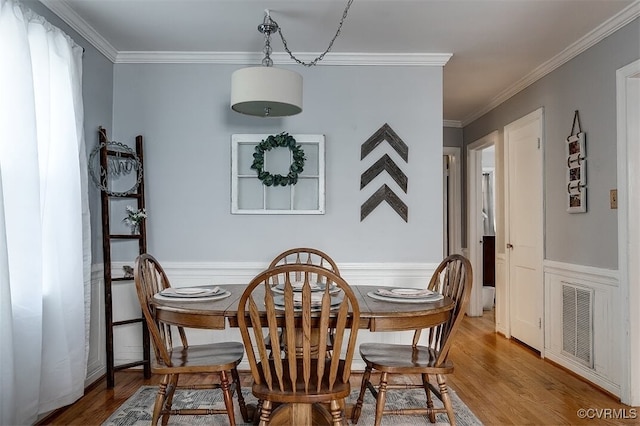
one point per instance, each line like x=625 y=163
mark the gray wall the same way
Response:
x=97 y=93
x=182 y=110
x=586 y=83
x=452 y=137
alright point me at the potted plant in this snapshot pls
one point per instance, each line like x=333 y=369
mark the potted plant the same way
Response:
x=134 y=219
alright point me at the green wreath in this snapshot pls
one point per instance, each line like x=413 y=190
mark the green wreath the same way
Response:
x=277 y=141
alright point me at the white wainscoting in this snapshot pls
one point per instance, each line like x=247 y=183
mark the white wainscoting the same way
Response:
x=127 y=339
x=606 y=319
x=96 y=361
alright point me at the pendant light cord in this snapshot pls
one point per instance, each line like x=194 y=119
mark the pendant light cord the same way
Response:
x=319 y=58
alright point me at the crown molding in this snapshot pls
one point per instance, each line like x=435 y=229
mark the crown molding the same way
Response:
x=452 y=123
x=281 y=58
x=607 y=28
x=68 y=15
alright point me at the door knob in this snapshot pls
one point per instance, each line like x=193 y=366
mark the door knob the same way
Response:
x=509 y=246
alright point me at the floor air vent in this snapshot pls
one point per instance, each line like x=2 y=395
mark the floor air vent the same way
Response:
x=577 y=323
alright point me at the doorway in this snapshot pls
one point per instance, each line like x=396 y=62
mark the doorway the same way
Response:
x=628 y=161
x=482 y=195
x=451 y=190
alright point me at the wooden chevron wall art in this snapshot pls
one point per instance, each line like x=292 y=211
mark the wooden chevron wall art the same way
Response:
x=385 y=133
x=384 y=193
x=385 y=164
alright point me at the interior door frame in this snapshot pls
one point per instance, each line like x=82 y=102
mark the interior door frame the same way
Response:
x=455 y=199
x=474 y=222
x=538 y=114
x=628 y=236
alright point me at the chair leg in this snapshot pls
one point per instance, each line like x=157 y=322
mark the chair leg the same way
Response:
x=446 y=399
x=228 y=401
x=168 y=400
x=382 y=395
x=241 y=403
x=425 y=383
x=256 y=414
x=337 y=419
x=355 y=415
x=171 y=390
x=160 y=398
x=265 y=413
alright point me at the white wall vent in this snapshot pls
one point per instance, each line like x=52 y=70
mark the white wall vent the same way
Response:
x=577 y=323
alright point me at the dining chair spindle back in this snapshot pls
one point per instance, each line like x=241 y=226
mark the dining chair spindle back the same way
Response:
x=304 y=256
x=307 y=256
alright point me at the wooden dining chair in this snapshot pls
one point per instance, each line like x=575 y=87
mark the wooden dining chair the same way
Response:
x=218 y=358
x=453 y=278
x=301 y=374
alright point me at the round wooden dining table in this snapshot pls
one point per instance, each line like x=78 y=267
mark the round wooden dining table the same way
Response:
x=375 y=315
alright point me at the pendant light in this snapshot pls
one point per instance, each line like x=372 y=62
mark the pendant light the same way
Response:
x=267 y=91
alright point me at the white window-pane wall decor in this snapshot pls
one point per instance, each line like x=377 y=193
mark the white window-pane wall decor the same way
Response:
x=302 y=192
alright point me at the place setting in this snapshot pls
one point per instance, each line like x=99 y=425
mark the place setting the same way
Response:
x=192 y=294
x=315 y=287
x=316 y=300
x=405 y=295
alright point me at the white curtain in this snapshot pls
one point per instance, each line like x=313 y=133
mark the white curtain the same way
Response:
x=44 y=218
x=488 y=216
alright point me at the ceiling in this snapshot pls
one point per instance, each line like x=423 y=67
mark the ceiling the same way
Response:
x=498 y=46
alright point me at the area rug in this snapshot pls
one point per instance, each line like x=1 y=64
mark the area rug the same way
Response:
x=136 y=411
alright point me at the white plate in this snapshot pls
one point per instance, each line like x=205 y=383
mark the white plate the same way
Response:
x=194 y=291
x=425 y=299
x=406 y=293
x=190 y=291
x=206 y=298
x=316 y=303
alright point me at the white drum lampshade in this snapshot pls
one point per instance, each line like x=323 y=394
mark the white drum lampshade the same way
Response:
x=266 y=91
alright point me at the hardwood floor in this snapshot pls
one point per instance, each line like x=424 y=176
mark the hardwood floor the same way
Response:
x=502 y=382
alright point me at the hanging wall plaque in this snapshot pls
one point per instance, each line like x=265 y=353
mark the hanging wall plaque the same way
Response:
x=576 y=169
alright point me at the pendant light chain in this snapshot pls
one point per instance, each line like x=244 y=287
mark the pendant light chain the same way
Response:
x=319 y=58
x=267 y=61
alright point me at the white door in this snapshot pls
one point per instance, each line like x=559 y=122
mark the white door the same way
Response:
x=524 y=228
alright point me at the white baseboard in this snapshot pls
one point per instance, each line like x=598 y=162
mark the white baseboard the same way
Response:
x=584 y=372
